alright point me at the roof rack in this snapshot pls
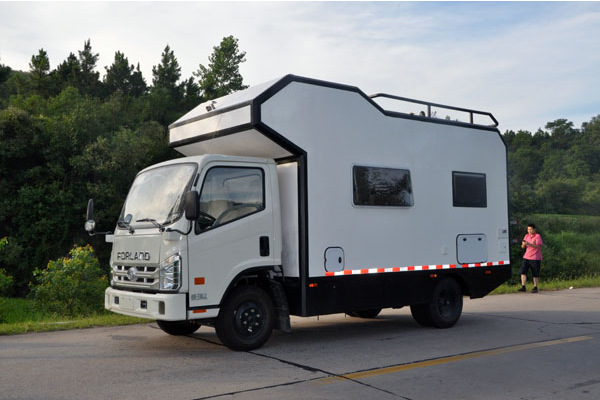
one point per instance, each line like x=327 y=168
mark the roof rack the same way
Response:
x=430 y=105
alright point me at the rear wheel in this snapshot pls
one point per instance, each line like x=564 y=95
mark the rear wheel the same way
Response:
x=372 y=313
x=178 y=328
x=421 y=315
x=246 y=320
x=445 y=307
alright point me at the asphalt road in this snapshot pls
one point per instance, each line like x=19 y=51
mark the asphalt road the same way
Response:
x=517 y=346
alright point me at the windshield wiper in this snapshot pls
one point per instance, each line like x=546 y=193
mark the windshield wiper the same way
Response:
x=153 y=221
x=125 y=223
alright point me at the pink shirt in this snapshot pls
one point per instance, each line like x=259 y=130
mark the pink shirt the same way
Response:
x=532 y=253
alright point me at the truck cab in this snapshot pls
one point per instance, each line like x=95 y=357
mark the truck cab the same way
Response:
x=174 y=262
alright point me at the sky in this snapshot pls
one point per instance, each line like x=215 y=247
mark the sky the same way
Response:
x=528 y=63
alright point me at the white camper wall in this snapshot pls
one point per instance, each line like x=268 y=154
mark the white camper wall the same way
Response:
x=338 y=129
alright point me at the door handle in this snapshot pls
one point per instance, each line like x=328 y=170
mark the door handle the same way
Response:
x=264 y=246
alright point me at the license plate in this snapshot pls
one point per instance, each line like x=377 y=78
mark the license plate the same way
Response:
x=126 y=303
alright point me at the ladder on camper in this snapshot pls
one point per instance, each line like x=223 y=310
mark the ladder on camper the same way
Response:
x=458 y=113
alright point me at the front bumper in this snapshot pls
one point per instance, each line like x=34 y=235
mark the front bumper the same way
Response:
x=162 y=306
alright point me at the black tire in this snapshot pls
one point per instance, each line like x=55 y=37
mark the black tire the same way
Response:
x=178 y=328
x=445 y=307
x=447 y=304
x=421 y=314
x=245 y=321
x=372 y=313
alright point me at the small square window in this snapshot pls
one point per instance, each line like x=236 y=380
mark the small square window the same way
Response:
x=469 y=189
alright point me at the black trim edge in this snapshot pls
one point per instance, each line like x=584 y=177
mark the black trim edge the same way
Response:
x=215 y=135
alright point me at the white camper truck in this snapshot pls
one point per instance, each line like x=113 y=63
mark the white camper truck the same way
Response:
x=304 y=197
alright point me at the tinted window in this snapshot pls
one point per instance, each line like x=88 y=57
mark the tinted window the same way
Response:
x=229 y=194
x=469 y=189
x=382 y=187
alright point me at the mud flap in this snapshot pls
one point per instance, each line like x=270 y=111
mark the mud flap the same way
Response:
x=281 y=309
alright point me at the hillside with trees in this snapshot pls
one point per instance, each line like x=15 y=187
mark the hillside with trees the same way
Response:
x=555 y=170
x=69 y=133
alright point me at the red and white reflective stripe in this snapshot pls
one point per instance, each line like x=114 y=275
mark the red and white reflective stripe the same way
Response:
x=414 y=268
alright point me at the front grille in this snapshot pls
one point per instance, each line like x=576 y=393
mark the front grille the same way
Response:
x=145 y=277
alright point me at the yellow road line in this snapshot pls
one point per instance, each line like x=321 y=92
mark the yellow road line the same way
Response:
x=445 y=360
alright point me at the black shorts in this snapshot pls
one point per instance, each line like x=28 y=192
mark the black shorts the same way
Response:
x=533 y=264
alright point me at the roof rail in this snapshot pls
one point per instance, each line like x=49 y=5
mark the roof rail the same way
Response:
x=430 y=105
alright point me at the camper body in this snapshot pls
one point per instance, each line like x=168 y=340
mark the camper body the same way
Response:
x=303 y=197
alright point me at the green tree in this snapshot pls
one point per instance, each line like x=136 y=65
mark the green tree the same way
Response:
x=166 y=75
x=165 y=103
x=559 y=196
x=39 y=68
x=138 y=83
x=123 y=78
x=192 y=94
x=222 y=75
x=21 y=164
x=68 y=73
x=118 y=75
x=89 y=83
x=589 y=149
x=524 y=165
x=5 y=72
x=563 y=134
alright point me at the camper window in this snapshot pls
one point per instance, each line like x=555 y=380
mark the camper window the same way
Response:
x=382 y=187
x=469 y=189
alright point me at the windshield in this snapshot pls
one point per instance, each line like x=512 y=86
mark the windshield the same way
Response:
x=157 y=195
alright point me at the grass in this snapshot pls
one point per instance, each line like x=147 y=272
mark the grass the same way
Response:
x=554 y=284
x=17 y=316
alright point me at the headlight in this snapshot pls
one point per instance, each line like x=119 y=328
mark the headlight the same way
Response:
x=170 y=273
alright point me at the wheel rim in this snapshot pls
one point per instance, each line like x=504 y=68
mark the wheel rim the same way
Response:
x=249 y=319
x=447 y=304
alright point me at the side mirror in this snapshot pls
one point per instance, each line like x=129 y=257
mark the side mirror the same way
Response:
x=90 y=224
x=191 y=206
x=90 y=210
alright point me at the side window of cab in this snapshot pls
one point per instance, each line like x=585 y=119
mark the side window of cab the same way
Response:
x=229 y=194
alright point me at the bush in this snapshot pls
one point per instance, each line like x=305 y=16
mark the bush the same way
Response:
x=570 y=255
x=6 y=282
x=71 y=286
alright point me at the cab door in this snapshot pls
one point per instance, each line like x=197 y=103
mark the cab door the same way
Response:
x=234 y=231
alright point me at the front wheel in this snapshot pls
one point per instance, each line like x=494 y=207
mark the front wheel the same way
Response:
x=245 y=321
x=178 y=328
